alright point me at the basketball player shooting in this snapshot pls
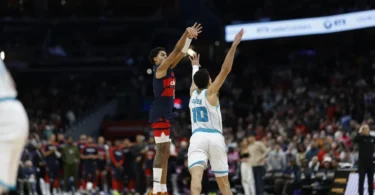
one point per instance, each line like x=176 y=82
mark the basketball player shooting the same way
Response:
x=14 y=129
x=161 y=112
x=207 y=141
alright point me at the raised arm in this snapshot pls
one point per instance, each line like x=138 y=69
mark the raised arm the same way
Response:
x=195 y=65
x=179 y=50
x=214 y=88
x=364 y=129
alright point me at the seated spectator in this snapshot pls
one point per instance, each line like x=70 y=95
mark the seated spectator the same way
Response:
x=305 y=173
x=314 y=164
x=276 y=159
x=326 y=164
x=290 y=154
x=30 y=176
x=322 y=153
x=301 y=154
x=289 y=177
x=312 y=152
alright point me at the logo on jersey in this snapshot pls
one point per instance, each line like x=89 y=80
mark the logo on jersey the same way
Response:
x=169 y=85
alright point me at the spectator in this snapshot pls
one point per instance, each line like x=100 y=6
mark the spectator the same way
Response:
x=247 y=175
x=305 y=173
x=314 y=164
x=283 y=185
x=39 y=162
x=276 y=159
x=258 y=152
x=301 y=154
x=290 y=154
x=233 y=158
x=326 y=164
x=323 y=152
x=313 y=151
x=30 y=177
x=71 y=159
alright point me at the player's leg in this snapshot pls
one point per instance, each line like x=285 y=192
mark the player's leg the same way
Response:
x=196 y=173
x=223 y=183
x=14 y=131
x=164 y=175
x=161 y=134
x=159 y=166
x=197 y=162
x=5 y=165
x=103 y=178
x=14 y=157
x=219 y=163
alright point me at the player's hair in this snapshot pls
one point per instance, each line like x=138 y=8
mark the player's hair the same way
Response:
x=154 y=52
x=202 y=78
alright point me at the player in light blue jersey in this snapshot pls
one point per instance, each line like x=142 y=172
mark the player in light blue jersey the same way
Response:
x=14 y=129
x=207 y=141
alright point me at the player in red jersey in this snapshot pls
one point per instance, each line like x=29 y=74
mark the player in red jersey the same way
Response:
x=102 y=164
x=89 y=156
x=116 y=163
x=161 y=111
x=51 y=156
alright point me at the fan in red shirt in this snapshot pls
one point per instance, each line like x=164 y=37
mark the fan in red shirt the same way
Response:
x=300 y=128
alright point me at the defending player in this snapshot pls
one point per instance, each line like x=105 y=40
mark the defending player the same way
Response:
x=207 y=141
x=162 y=108
x=14 y=129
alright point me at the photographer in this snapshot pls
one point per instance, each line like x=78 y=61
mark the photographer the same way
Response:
x=365 y=161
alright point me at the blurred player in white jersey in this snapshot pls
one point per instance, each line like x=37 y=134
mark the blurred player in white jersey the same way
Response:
x=207 y=141
x=14 y=129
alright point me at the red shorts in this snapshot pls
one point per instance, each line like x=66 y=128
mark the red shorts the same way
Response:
x=162 y=130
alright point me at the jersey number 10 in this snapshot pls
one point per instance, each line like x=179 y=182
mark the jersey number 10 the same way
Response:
x=200 y=114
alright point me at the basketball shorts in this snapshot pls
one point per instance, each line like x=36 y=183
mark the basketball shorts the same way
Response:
x=14 y=129
x=162 y=130
x=208 y=146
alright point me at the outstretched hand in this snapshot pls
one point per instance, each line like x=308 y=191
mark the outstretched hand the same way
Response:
x=194 y=59
x=194 y=31
x=238 y=37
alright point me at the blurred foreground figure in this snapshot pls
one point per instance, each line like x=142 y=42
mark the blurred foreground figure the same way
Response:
x=14 y=129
